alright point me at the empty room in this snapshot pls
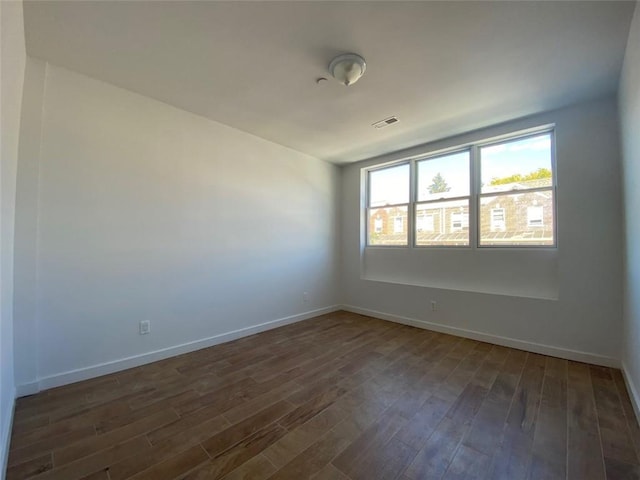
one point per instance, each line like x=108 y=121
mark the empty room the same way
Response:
x=346 y=240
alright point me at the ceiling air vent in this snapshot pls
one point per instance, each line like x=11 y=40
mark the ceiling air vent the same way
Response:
x=386 y=122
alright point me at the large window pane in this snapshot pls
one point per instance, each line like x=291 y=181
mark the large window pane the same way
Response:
x=388 y=226
x=443 y=223
x=389 y=186
x=525 y=218
x=443 y=177
x=516 y=165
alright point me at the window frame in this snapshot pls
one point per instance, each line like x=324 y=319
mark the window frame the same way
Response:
x=414 y=178
x=368 y=207
x=550 y=130
x=475 y=192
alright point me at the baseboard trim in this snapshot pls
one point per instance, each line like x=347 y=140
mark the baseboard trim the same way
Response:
x=634 y=393
x=498 y=340
x=105 y=368
x=6 y=437
x=27 y=389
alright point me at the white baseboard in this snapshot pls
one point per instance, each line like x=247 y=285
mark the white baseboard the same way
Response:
x=93 y=371
x=105 y=368
x=27 y=389
x=6 y=437
x=498 y=340
x=634 y=393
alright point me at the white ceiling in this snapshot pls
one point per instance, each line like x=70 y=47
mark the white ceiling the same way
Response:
x=442 y=67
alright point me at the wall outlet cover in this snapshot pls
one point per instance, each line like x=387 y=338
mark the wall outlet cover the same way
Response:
x=145 y=327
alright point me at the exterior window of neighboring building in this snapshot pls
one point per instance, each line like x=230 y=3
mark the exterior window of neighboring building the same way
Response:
x=497 y=220
x=425 y=223
x=398 y=225
x=494 y=193
x=535 y=216
x=459 y=221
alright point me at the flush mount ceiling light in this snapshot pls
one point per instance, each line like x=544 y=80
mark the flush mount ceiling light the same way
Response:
x=347 y=68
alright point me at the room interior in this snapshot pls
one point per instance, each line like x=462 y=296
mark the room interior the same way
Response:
x=187 y=180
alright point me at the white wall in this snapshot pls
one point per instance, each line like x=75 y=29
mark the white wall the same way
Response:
x=11 y=77
x=25 y=256
x=629 y=101
x=485 y=293
x=146 y=212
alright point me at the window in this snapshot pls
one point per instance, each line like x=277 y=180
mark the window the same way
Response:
x=388 y=199
x=535 y=216
x=442 y=193
x=425 y=223
x=459 y=221
x=497 y=220
x=517 y=174
x=489 y=194
x=398 y=225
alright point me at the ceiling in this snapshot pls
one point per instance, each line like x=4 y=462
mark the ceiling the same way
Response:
x=442 y=68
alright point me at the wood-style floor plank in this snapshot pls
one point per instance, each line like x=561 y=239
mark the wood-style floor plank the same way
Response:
x=550 y=438
x=620 y=456
x=342 y=397
x=584 y=447
x=629 y=413
x=31 y=467
x=513 y=458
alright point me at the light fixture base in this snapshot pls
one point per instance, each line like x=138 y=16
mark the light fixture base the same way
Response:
x=347 y=68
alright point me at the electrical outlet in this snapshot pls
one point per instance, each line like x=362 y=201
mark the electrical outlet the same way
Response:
x=434 y=306
x=305 y=297
x=145 y=327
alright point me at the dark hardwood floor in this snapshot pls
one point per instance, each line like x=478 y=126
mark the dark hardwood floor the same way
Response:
x=340 y=397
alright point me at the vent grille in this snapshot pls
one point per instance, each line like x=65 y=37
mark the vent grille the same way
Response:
x=386 y=122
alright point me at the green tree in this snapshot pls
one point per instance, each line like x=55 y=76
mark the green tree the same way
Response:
x=518 y=177
x=439 y=185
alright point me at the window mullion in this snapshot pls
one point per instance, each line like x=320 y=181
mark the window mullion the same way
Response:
x=367 y=219
x=474 y=200
x=411 y=210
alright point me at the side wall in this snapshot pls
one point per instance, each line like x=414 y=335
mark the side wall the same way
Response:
x=630 y=132
x=564 y=302
x=134 y=210
x=11 y=78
